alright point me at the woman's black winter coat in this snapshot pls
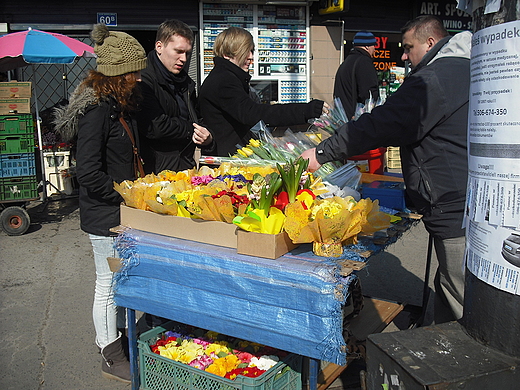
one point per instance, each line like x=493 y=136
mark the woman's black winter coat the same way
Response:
x=229 y=111
x=104 y=156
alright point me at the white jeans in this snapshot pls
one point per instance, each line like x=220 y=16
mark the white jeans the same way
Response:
x=104 y=311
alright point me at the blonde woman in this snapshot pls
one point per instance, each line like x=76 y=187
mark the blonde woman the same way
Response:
x=225 y=101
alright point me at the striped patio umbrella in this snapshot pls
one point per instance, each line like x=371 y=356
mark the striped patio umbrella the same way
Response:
x=39 y=47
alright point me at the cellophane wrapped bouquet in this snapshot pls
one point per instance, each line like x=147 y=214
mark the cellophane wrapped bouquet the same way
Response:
x=327 y=124
x=281 y=150
x=262 y=199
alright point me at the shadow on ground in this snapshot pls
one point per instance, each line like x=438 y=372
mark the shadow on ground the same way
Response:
x=54 y=209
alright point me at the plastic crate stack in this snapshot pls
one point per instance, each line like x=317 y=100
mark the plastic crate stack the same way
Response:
x=17 y=158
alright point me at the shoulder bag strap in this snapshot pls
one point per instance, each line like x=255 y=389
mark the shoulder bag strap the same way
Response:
x=138 y=162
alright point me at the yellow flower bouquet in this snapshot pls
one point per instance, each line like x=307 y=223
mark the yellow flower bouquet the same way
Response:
x=262 y=200
x=333 y=222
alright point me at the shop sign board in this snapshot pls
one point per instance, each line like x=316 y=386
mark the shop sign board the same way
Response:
x=384 y=55
x=107 y=18
x=332 y=6
x=454 y=19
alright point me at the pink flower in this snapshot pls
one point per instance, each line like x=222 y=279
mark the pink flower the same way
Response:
x=202 y=362
x=200 y=180
x=204 y=343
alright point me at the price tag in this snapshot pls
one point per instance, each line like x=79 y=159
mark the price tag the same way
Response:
x=109 y=19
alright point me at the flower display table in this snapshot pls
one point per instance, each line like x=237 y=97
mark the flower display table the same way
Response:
x=293 y=303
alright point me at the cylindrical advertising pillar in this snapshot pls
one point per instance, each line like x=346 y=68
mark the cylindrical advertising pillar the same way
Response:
x=492 y=300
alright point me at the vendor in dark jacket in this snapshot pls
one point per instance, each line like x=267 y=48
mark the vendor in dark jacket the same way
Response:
x=225 y=101
x=168 y=122
x=105 y=154
x=427 y=118
x=356 y=78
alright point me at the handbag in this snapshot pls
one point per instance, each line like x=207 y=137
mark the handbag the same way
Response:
x=138 y=161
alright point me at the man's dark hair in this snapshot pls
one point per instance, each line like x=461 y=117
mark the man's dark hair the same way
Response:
x=172 y=27
x=425 y=26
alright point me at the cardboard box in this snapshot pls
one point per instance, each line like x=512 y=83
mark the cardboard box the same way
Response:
x=20 y=106
x=270 y=246
x=15 y=89
x=209 y=232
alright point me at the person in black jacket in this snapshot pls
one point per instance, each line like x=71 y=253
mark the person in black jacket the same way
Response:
x=428 y=118
x=356 y=78
x=225 y=100
x=98 y=108
x=168 y=121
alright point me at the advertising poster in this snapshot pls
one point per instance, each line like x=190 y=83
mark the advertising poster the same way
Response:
x=493 y=201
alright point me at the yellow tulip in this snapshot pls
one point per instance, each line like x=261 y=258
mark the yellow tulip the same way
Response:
x=248 y=151
x=254 y=142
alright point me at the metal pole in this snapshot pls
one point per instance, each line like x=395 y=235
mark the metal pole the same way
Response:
x=426 y=287
x=132 y=343
x=40 y=140
x=492 y=315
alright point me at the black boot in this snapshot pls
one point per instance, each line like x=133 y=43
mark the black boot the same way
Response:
x=114 y=363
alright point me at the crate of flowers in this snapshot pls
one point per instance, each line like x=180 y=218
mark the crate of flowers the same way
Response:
x=175 y=356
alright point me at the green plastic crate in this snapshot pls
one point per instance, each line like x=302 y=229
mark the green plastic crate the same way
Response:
x=19 y=188
x=160 y=373
x=16 y=124
x=17 y=143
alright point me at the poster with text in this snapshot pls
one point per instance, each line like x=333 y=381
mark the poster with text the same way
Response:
x=493 y=198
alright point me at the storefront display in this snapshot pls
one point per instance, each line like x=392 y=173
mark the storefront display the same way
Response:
x=279 y=72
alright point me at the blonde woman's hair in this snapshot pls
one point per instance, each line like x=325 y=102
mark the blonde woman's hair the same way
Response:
x=234 y=42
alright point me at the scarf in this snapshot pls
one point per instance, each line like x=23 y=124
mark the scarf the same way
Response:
x=178 y=84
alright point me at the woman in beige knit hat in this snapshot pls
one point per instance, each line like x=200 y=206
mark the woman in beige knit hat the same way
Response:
x=100 y=119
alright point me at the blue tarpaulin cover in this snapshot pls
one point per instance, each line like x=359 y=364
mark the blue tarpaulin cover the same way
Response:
x=293 y=303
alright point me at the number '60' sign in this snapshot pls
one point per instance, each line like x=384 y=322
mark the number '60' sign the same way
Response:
x=109 y=19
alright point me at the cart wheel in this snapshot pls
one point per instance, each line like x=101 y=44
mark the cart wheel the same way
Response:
x=15 y=220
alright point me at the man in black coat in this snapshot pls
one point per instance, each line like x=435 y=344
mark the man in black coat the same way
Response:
x=168 y=122
x=356 y=78
x=427 y=118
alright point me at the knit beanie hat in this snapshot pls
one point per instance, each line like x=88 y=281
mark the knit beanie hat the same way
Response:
x=117 y=52
x=364 y=38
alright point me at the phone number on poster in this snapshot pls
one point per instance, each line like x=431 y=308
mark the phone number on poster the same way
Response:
x=490 y=111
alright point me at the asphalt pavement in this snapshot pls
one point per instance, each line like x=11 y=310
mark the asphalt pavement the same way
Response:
x=47 y=286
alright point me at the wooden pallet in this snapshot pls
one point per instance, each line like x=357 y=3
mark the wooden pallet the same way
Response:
x=373 y=318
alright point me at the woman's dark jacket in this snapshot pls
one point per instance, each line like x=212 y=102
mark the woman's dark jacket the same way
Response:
x=104 y=155
x=428 y=118
x=166 y=138
x=229 y=111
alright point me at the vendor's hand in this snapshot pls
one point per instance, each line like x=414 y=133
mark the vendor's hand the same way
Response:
x=201 y=135
x=325 y=109
x=310 y=154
